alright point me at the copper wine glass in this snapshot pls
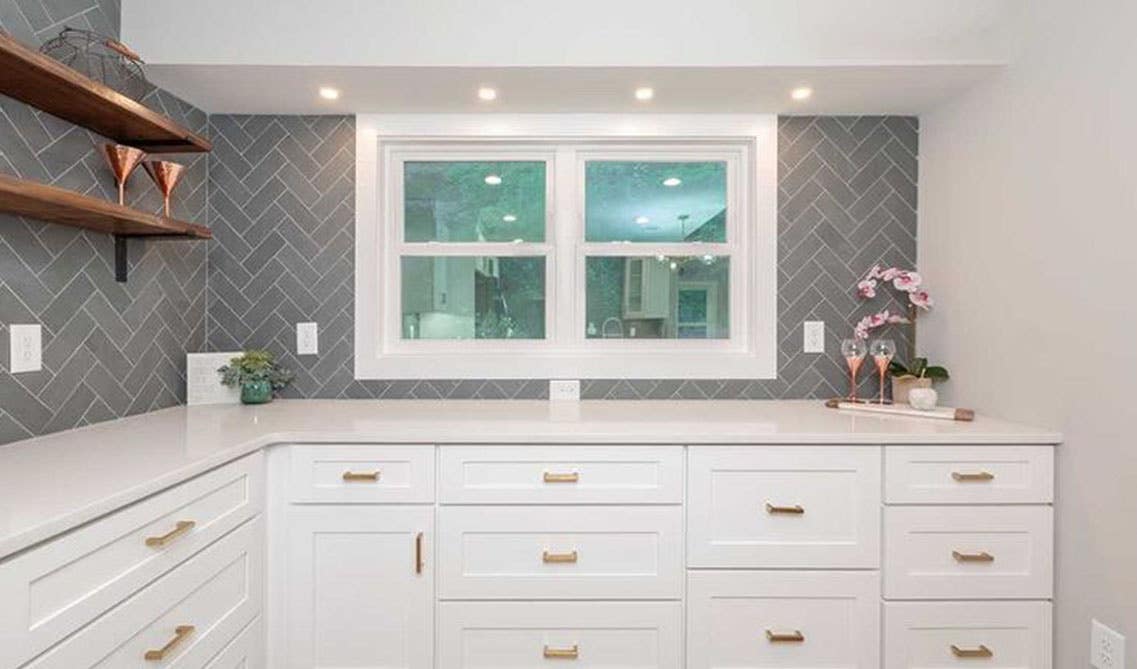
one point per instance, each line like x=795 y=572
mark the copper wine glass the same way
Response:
x=854 y=351
x=882 y=351
x=123 y=160
x=165 y=175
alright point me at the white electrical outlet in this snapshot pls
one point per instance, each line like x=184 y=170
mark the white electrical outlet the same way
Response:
x=307 y=339
x=814 y=337
x=560 y=389
x=25 y=348
x=1107 y=648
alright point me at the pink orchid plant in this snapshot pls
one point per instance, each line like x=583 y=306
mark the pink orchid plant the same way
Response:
x=905 y=281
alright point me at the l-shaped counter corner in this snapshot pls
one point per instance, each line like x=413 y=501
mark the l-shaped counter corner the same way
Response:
x=54 y=483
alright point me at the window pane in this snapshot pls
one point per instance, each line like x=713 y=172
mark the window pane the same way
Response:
x=446 y=297
x=655 y=202
x=658 y=297
x=474 y=201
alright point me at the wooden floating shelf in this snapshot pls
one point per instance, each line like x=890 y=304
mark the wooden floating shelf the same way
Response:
x=58 y=205
x=41 y=81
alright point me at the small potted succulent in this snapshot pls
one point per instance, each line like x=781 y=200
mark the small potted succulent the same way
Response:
x=917 y=373
x=257 y=375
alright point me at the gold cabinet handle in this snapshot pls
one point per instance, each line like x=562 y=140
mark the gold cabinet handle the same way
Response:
x=351 y=476
x=981 y=651
x=973 y=477
x=795 y=510
x=563 y=558
x=181 y=633
x=418 y=553
x=569 y=477
x=164 y=540
x=562 y=653
x=973 y=557
x=795 y=637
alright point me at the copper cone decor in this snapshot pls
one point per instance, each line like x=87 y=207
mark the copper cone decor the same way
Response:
x=165 y=175
x=122 y=160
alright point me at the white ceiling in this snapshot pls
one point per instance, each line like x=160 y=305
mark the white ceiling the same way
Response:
x=861 y=56
x=250 y=89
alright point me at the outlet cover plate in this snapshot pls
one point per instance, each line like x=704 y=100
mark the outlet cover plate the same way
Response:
x=813 y=337
x=25 y=348
x=564 y=390
x=307 y=339
x=1107 y=648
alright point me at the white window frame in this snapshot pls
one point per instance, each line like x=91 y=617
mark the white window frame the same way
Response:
x=747 y=142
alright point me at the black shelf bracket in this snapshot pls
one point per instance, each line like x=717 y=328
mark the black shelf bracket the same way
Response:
x=122 y=259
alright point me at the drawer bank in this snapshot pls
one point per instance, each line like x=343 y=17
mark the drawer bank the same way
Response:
x=632 y=552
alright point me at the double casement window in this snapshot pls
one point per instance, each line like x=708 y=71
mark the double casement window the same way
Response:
x=578 y=257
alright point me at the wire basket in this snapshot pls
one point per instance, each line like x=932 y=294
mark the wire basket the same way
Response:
x=101 y=58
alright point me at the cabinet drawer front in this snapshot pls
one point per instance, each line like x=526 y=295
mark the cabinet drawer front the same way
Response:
x=561 y=475
x=519 y=635
x=784 y=507
x=783 y=620
x=995 y=635
x=598 y=552
x=371 y=474
x=246 y=651
x=969 y=474
x=188 y=616
x=53 y=590
x=976 y=552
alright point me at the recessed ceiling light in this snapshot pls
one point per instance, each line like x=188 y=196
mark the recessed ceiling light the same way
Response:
x=672 y=182
x=801 y=93
x=643 y=220
x=329 y=93
x=493 y=180
x=509 y=218
x=486 y=93
x=645 y=93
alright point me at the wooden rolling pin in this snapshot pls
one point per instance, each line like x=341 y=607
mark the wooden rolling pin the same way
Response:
x=943 y=413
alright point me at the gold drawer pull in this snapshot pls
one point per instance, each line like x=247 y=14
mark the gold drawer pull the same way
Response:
x=973 y=477
x=981 y=651
x=418 y=553
x=164 y=540
x=571 y=477
x=795 y=637
x=973 y=557
x=562 y=653
x=181 y=632
x=563 y=558
x=795 y=510
x=350 y=476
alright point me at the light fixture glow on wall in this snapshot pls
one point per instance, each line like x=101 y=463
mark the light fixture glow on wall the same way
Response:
x=801 y=93
x=643 y=220
x=645 y=93
x=329 y=93
x=493 y=180
x=672 y=182
x=509 y=218
x=487 y=94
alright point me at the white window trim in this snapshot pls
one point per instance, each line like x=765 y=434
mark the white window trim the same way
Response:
x=378 y=355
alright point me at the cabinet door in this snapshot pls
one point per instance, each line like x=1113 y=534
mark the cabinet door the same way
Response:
x=360 y=587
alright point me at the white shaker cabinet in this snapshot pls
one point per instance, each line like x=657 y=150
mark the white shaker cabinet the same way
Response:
x=361 y=590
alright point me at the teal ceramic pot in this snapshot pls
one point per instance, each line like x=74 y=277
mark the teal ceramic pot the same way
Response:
x=256 y=392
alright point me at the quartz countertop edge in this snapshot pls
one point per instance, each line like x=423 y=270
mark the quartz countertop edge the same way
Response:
x=55 y=483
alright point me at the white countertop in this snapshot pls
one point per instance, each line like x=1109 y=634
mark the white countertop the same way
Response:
x=54 y=483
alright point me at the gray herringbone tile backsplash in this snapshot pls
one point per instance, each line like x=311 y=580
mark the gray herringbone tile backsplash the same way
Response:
x=279 y=194
x=109 y=349
x=281 y=201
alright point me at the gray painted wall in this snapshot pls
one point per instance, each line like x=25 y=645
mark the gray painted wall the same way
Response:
x=109 y=349
x=281 y=201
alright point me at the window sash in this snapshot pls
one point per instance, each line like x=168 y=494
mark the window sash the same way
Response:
x=565 y=248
